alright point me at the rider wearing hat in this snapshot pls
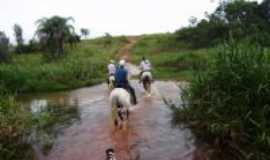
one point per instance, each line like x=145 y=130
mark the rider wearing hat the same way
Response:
x=121 y=79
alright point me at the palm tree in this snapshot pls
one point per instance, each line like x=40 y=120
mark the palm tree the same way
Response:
x=85 y=32
x=52 y=33
x=18 y=32
x=265 y=7
x=4 y=44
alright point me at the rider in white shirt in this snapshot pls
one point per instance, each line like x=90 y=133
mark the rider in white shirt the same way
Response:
x=111 y=68
x=145 y=66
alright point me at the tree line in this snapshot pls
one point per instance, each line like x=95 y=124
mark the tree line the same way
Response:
x=50 y=36
x=237 y=19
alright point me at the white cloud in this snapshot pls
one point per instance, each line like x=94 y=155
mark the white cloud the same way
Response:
x=113 y=16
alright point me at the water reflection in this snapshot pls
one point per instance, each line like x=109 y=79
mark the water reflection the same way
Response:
x=50 y=116
x=38 y=106
x=76 y=125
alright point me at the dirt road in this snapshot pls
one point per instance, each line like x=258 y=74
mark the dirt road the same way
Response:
x=150 y=135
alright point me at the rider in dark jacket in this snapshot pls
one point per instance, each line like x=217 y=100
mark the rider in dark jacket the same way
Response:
x=121 y=80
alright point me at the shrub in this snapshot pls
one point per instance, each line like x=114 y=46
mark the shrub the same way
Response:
x=229 y=105
x=4 y=48
x=14 y=124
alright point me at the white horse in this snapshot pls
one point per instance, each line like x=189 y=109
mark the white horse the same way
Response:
x=111 y=82
x=120 y=103
x=146 y=80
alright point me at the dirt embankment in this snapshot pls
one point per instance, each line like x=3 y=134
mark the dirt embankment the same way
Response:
x=125 y=51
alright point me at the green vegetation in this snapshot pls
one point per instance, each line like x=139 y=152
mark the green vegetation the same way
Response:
x=4 y=42
x=227 y=102
x=19 y=38
x=85 y=32
x=83 y=65
x=240 y=18
x=14 y=126
x=171 y=60
x=53 y=33
x=59 y=61
x=47 y=123
x=191 y=49
x=228 y=106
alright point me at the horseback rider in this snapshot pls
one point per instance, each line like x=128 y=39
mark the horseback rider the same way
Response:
x=111 y=71
x=145 y=66
x=111 y=67
x=121 y=79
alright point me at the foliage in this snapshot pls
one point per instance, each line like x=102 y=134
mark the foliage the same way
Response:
x=228 y=106
x=171 y=60
x=265 y=8
x=156 y=43
x=18 y=32
x=85 y=66
x=14 y=124
x=73 y=40
x=33 y=46
x=4 y=47
x=48 y=122
x=85 y=32
x=28 y=73
x=107 y=39
x=52 y=33
x=239 y=18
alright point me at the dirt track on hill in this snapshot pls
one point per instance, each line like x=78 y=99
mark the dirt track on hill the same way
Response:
x=124 y=52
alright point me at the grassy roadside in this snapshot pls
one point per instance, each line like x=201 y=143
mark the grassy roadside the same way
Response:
x=227 y=107
x=171 y=60
x=227 y=102
x=83 y=65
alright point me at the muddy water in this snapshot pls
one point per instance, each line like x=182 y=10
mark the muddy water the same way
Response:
x=150 y=135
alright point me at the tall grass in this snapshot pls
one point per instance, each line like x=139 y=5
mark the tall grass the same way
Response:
x=171 y=59
x=228 y=107
x=14 y=124
x=83 y=65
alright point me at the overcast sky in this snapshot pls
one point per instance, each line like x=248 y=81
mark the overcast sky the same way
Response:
x=117 y=17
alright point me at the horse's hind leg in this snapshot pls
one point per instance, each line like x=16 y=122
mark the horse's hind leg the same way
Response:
x=115 y=123
x=149 y=87
x=128 y=114
x=144 y=85
x=120 y=114
x=115 y=116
